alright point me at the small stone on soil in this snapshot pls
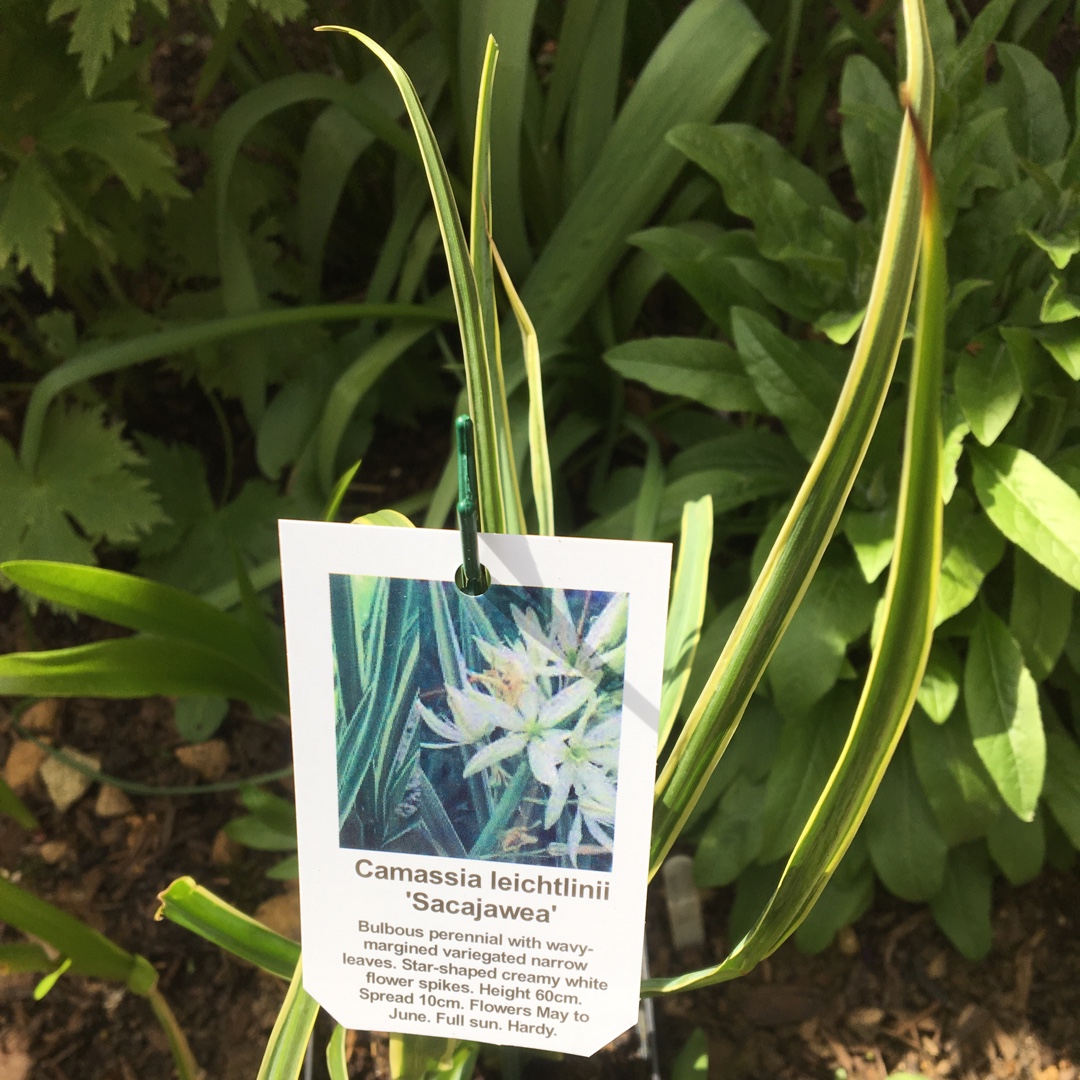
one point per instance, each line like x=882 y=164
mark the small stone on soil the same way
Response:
x=22 y=764
x=40 y=718
x=225 y=849
x=112 y=802
x=281 y=913
x=53 y=851
x=209 y=759
x=64 y=784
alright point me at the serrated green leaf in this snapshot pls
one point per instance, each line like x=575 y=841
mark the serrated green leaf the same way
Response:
x=962 y=907
x=1003 y=712
x=940 y=687
x=956 y=783
x=86 y=472
x=906 y=848
x=95 y=25
x=1018 y=847
x=708 y=372
x=121 y=134
x=1032 y=506
x=30 y=218
x=988 y=389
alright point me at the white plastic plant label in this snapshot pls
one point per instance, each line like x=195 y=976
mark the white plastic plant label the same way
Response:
x=474 y=779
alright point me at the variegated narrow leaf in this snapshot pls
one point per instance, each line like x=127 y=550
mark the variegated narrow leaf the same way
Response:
x=480 y=234
x=812 y=519
x=903 y=644
x=284 y=1055
x=686 y=610
x=466 y=295
x=539 y=462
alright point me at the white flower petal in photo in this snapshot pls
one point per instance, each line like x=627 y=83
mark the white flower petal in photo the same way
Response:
x=495 y=752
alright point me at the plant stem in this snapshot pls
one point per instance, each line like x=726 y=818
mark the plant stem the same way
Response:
x=487 y=842
x=186 y=1065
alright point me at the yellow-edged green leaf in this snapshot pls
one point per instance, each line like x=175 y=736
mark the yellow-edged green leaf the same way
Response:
x=686 y=610
x=284 y=1055
x=899 y=659
x=466 y=296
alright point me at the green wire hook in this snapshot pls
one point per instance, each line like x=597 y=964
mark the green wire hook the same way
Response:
x=471 y=577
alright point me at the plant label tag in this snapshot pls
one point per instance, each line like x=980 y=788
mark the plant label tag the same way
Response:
x=474 y=779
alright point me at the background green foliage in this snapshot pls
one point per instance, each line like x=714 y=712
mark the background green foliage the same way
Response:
x=264 y=258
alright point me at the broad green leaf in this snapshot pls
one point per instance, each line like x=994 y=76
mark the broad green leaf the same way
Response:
x=95 y=25
x=466 y=298
x=90 y=952
x=1003 y=712
x=940 y=687
x=837 y=610
x=389 y=518
x=1061 y=247
x=121 y=135
x=686 y=610
x=1063 y=781
x=960 y=791
x=197 y=718
x=1036 y=112
x=1040 y=614
x=197 y=909
x=1059 y=305
x=971 y=55
x=131 y=667
x=809 y=747
x=1018 y=847
x=732 y=838
x=962 y=907
x=814 y=513
x=870 y=129
x=847 y=896
x=956 y=430
x=793 y=383
x=1032 y=506
x=692 y=1061
x=285 y=1051
x=1062 y=342
x=972 y=550
x=708 y=372
x=906 y=848
x=797 y=220
x=142 y=605
x=689 y=76
x=988 y=389
x=871 y=536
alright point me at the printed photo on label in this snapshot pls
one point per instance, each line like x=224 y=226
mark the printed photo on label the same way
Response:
x=478 y=727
